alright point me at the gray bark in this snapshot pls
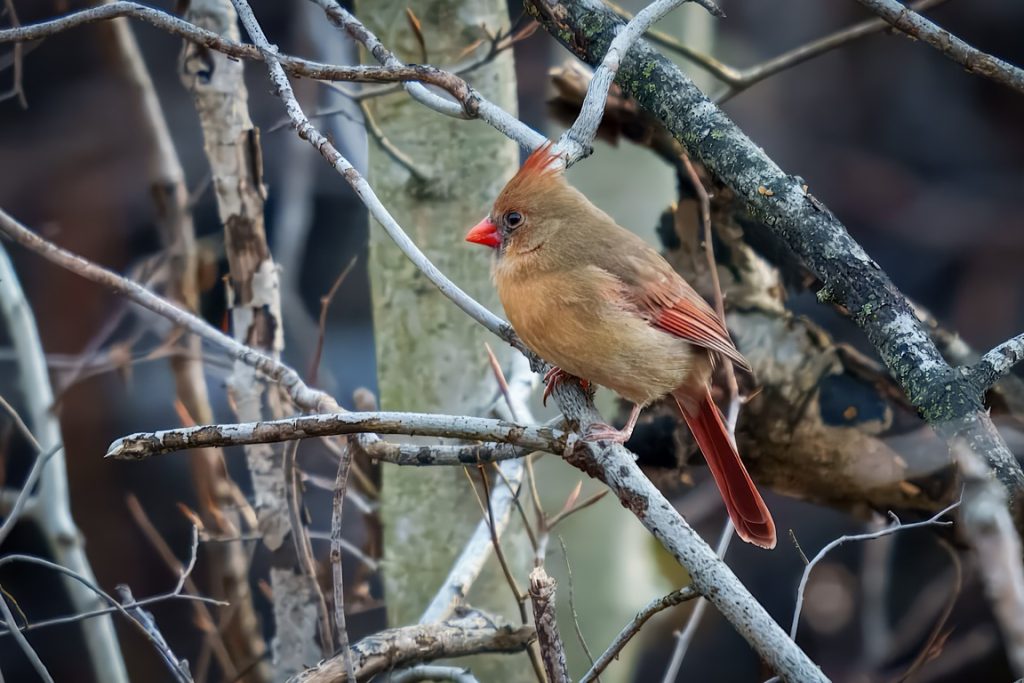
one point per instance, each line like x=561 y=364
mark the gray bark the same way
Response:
x=430 y=355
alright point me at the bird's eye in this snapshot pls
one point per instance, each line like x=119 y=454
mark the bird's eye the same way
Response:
x=513 y=219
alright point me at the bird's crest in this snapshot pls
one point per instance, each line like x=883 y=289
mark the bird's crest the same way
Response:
x=541 y=162
x=541 y=167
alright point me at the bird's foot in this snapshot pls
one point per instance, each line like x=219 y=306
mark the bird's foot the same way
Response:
x=599 y=431
x=556 y=376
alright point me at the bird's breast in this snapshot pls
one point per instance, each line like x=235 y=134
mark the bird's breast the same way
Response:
x=579 y=321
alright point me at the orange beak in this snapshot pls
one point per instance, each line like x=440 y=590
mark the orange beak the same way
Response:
x=485 y=233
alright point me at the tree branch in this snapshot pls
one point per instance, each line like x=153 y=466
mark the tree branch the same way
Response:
x=470 y=632
x=146 y=444
x=997 y=363
x=633 y=627
x=578 y=140
x=897 y=525
x=542 y=596
x=50 y=505
x=972 y=59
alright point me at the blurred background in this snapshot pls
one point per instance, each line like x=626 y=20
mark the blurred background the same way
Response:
x=919 y=159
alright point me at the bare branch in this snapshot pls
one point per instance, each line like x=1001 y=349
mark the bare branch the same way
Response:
x=997 y=547
x=738 y=80
x=972 y=59
x=26 y=647
x=145 y=444
x=203 y=615
x=51 y=506
x=997 y=363
x=17 y=88
x=212 y=483
x=471 y=560
x=299 y=392
x=542 y=596
x=431 y=672
x=178 y=667
x=745 y=78
x=473 y=104
x=633 y=627
x=470 y=632
x=294 y=65
x=26 y=493
x=684 y=639
x=337 y=509
x=428 y=455
x=578 y=140
x=897 y=525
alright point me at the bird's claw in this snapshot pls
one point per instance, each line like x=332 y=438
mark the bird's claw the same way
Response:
x=599 y=431
x=554 y=377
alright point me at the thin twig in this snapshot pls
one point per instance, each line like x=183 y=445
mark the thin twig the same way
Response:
x=274 y=370
x=927 y=652
x=202 y=612
x=577 y=141
x=738 y=80
x=325 y=304
x=178 y=667
x=633 y=627
x=17 y=88
x=26 y=492
x=403 y=159
x=572 y=603
x=51 y=508
x=337 y=574
x=300 y=539
x=22 y=428
x=897 y=525
x=19 y=637
x=972 y=59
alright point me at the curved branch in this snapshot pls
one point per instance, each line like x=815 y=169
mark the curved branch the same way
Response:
x=971 y=58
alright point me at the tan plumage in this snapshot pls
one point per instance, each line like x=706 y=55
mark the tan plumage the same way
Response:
x=598 y=302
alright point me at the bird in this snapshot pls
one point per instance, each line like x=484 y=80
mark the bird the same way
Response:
x=603 y=307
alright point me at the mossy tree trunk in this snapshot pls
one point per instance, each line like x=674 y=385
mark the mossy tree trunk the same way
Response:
x=430 y=355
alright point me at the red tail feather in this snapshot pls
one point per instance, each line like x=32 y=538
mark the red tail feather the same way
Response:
x=746 y=508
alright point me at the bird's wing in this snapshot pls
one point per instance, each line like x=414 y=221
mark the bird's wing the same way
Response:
x=670 y=303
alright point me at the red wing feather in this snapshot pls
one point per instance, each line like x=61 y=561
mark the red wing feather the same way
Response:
x=697 y=324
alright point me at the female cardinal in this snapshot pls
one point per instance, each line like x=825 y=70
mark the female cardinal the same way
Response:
x=595 y=300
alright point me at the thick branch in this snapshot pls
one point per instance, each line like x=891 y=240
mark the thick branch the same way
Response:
x=423 y=455
x=781 y=202
x=142 y=445
x=997 y=363
x=469 y=633
x=972 y=59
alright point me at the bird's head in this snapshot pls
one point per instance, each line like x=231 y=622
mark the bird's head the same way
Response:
x=530 y=208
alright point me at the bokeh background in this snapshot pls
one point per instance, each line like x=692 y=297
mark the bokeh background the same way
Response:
x=920 y=160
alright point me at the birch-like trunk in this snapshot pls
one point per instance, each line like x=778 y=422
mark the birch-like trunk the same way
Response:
x=232 y=146
x=430 y=355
